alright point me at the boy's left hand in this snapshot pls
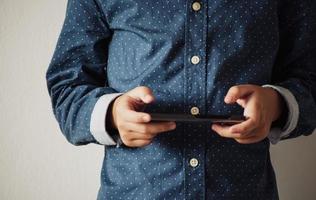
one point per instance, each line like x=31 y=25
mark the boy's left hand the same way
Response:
x=262 y=106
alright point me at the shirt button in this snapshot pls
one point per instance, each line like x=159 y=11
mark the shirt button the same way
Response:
x=195 y=110
x=194 y=162
x=196 y=6
x=195 y=60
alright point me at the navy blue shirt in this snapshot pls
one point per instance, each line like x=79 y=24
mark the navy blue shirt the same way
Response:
x=189 y=55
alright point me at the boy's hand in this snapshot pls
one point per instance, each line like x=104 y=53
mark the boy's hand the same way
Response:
x=262 y=105
x=134 y=126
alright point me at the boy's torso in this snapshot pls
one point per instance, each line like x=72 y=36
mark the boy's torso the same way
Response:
x=155 y=43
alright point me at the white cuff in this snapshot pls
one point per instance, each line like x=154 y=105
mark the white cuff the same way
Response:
x=98 y=119
x=276 y=133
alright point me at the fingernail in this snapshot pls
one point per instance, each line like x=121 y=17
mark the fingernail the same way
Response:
x=213 y=126
x=146 y=118
x=227 y=99
x=147 y=97
x=172 y=125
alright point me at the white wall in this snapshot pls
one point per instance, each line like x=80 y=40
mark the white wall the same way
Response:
x=36 y=162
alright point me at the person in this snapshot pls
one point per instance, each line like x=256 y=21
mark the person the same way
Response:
x=117 y=61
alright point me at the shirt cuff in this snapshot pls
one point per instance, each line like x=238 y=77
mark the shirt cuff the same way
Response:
x=277 y=133
x=98 y=119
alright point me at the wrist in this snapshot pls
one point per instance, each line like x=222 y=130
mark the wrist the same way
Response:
x=279 y=108
x=113 y=113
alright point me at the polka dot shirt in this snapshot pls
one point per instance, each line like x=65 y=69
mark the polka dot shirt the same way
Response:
x=189 y=53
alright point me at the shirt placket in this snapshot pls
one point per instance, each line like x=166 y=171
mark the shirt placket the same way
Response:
x=195 y=96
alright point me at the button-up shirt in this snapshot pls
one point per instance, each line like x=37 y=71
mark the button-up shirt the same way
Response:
x=189 y=53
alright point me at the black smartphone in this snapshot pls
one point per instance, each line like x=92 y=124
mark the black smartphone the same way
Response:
x=220 y=119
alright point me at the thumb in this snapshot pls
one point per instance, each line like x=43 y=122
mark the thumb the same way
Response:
x=142 y=94
x=238 y=92
x=242 y=102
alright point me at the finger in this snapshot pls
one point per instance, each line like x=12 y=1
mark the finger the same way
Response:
x=137 y=143
x=131 y=103
x=237 y=92
x=241 y=102
x=132 y=135
x=134 y=116
x=250 y=140
x=224 y=131
x=245 y=127
x=246 y=135
x=255 y=136
x=142 y=93
x=151 y=128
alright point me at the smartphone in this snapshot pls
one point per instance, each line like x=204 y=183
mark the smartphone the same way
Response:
x=220 y=119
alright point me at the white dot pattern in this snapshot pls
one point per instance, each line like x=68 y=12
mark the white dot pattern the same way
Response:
x=116 y=45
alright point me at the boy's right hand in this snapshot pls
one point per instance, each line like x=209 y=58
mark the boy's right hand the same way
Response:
x=134 y=126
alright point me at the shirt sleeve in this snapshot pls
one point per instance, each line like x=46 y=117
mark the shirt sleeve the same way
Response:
x=76 y=76
x=292 y=112
x=296 y=60
x=98 y=126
